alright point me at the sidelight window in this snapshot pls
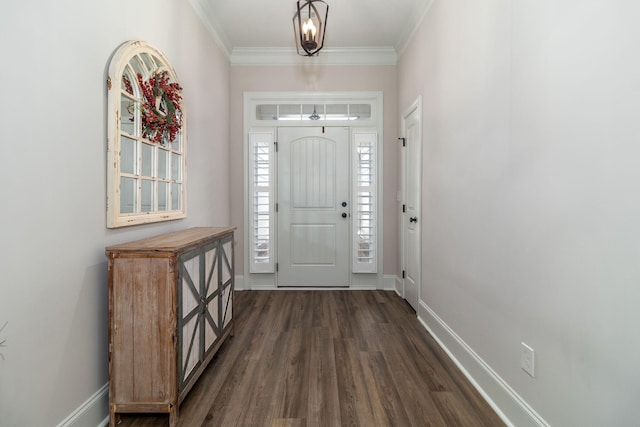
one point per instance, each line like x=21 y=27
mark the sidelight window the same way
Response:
x=364 y=258
x=261 y=190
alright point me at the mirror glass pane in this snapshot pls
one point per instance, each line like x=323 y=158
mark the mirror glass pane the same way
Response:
x=138 y=68
x=127 y=195
x=147 y=159
x=129 y=82
x=176 y=164
x=175 y=196
x=176 y=143
x=148 y=62
x=162 y=196
x=163 y=160
x=127 y=155
x=127 y=115
x=146 y=196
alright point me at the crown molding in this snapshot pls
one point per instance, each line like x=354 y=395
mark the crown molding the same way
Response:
x=248 y=56
x=211 y=24
x=418 y=15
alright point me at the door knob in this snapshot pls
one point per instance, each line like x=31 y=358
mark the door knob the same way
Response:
x=413 y=219
x=344 y=204
x=344 y=215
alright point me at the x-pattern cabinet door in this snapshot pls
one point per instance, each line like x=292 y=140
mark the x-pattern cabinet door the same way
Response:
x=226 y=282
x=211 y=294
x=198 y=308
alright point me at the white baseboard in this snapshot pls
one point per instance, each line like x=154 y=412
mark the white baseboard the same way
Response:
x=513 y=410
x=92 y=412
x=266 y=283
x=360 y=287
x=399 y=287
x=389 y=282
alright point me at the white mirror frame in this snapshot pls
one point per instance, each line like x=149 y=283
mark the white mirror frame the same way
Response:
x=165 y=196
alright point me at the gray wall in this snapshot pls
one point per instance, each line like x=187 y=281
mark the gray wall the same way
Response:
x=53 y=290
x=531 y=208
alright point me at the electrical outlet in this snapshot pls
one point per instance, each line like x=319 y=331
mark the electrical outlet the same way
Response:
x=527 y=359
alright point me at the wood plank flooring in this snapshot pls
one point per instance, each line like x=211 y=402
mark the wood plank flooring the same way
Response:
x=328 y=358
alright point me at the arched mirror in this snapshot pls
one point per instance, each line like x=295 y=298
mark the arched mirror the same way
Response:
x=146 y=179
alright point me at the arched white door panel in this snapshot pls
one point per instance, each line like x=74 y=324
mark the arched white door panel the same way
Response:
x=313 y=206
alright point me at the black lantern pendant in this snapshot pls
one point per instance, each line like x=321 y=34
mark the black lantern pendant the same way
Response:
x=309 y=26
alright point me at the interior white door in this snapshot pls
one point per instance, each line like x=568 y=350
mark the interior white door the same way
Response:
x=313 y=206
x=412 y=176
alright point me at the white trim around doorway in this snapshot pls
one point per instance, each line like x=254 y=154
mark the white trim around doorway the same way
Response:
x=253 y=122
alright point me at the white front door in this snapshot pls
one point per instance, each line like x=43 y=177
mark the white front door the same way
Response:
x=412 y=176
x=313 y=206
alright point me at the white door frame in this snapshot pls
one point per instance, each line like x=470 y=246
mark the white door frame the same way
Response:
x=415 y=107
x=253 y=123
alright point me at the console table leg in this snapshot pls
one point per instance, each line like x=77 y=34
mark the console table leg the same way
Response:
x=173 y=416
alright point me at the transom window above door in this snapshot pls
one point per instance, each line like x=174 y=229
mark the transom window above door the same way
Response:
x=313 y=112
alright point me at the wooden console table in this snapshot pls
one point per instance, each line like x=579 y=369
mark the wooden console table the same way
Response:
x=170 y=309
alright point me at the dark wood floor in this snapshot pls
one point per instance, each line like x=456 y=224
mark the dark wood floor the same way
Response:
x=328 y=358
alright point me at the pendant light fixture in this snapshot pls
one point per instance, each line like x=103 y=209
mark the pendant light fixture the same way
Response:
x=314 y=115
x=309 y=25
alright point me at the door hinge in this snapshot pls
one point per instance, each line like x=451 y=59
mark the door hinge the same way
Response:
x=277 y=267
x=404 y=274
x=404 y=208
x=404 y=141
x=276 y=207
x=276 y=144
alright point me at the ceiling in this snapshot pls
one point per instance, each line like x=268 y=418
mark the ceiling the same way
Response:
x=253 y=27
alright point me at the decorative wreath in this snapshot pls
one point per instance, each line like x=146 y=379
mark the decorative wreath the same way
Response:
x=160 y=107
